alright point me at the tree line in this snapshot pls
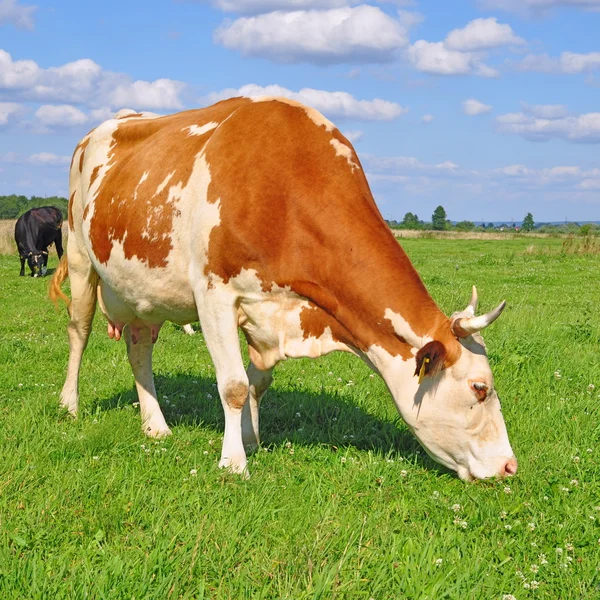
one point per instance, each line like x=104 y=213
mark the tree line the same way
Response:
x=13 y=206
x=440 y=222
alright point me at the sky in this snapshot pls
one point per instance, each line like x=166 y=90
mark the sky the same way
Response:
x=487 y=107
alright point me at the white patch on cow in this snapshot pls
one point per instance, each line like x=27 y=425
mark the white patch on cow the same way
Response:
x=314 y=115
x=272 y=319
x=200 y=129
x=343 y=150
x=403 y=329
x=164 y=183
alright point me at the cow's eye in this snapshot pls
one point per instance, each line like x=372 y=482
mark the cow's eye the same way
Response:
x=480 y=389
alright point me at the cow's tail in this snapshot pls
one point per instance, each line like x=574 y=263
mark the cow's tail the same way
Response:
x=55 y=292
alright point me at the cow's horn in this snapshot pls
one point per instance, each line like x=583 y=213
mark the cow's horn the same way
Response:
x=465 y=326
x=472 y=306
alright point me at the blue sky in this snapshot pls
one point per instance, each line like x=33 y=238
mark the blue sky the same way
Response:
x=488 y=107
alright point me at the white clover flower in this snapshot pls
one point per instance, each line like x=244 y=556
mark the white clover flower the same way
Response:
x=591 y=387
x=526 y=585
x=557 y=374
x=574 y=482
x=503 y=514
x=542 y=559
x=193 y=472
x=569 y=547
x=456 y=507
x=297 y=415
x=507 y=490
x=534 y=568
x=438 y=562
x=508 y=527
x=535 y=584
x=559 y=551
x=403 y=473
x=508 y=597
x=95 y=457
x=575 y=459
x=531 y=526
x=435 y=494
x=463 y=524
x=205 y=452
x=343 y=459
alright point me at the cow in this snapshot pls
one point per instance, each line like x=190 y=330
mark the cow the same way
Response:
x=255 y=213
x=35 y=230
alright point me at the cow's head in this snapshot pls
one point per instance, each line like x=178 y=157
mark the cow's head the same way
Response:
x=453 y=407
x=37 y=263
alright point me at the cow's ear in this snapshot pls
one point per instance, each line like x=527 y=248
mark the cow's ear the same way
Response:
x=430 y=359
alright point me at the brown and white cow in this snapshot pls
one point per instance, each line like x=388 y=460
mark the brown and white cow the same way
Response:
x=256 y=213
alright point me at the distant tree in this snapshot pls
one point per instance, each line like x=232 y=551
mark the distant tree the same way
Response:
x=465 y=226
x=528 y=223
x=438 y=219
x=411 y=221
x=490 y=226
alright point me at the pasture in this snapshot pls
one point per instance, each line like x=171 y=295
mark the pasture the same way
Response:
x=342 y=502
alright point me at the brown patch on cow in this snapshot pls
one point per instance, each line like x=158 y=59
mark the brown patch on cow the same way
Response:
x=86 y=210
x=294 y=212
x=131 y=115
x=83 y=145
x=133 y=212
x=94 y=175
x=236 y=394
x=70 y=211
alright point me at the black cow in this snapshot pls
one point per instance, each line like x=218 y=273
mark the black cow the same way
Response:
x=34 y=232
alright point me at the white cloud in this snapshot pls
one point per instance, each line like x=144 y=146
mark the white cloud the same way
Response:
x=545 y=111
x=332 y=104
x=85 y=82
x=49 y=159
x=361 y=34
x=63 y=115
x=473 y=107
x=437 y=59
x=427 y=118
x=9 y=110
x=158 y=94
x=584 y=128
x=567 y=63
x=481 y=34
x=19 y=15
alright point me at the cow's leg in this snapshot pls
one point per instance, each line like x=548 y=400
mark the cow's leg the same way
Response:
x=219 y=322
x=84 y=282
x=58 y=243
x=22 y=273
x=140 y=359
x=259 y=382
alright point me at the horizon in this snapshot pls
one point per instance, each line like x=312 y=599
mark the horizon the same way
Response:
x=486 y=106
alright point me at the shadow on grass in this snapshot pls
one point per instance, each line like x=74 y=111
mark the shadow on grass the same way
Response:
x=304 y=418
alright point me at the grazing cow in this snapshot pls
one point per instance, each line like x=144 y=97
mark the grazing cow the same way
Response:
x=35 y=230
x=256 y=214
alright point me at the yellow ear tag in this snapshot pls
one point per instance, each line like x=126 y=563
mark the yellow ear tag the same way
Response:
x=422 y=371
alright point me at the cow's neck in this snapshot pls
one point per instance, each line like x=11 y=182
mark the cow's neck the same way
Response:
x=378 y=299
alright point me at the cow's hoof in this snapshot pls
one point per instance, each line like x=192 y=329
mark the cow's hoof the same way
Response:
x=250 y=447
x=70 y=407
x=237 y=467
x=155 y=431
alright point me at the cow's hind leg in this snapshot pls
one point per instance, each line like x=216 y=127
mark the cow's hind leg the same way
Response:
x=140 y=359
x=218 y=318
x=84 y=281
x=259 y=382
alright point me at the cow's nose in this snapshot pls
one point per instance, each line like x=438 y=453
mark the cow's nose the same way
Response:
x=510 y=468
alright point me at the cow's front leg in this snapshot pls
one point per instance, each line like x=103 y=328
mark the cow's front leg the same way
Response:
x=259 y=382
x=218 y=318
x=22 y=273
x=140 y=359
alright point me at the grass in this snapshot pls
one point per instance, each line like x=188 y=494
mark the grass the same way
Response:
x=342 y=503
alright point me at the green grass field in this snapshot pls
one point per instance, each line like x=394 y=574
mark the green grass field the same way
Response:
x=342 y=503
